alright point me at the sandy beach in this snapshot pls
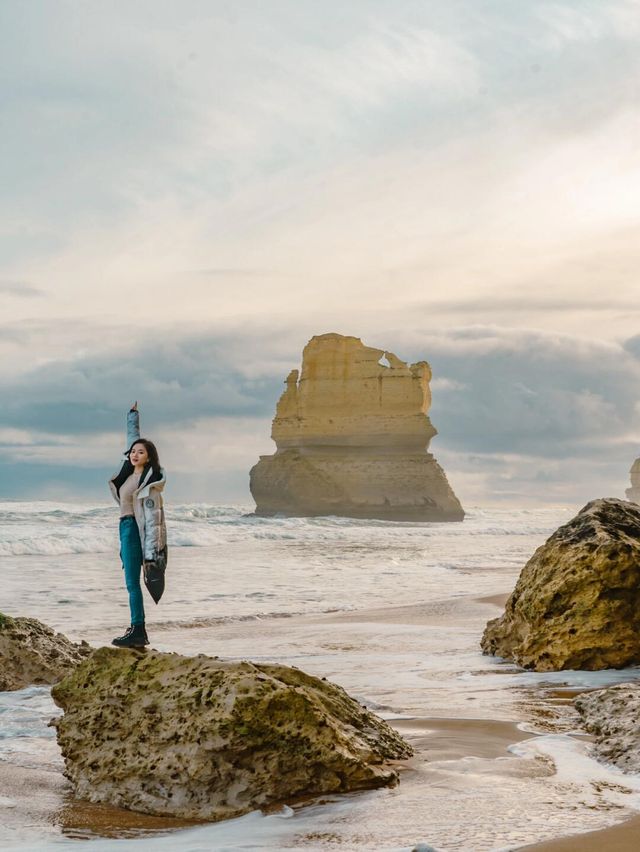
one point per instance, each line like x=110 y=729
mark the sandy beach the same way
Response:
x=620 y=838
x=475 y=742
x=43 y=797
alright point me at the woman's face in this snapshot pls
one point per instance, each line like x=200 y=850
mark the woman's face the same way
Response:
x=138 y=455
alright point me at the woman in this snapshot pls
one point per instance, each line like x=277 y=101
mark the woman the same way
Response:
x=137 y=488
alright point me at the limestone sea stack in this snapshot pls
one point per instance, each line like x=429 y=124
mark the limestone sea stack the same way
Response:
x=576 y=604
x=200 y=738
x=32 y=653
x=633 y=493
x=352 y=436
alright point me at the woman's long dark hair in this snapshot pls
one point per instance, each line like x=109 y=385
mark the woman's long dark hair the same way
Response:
x=152 y=452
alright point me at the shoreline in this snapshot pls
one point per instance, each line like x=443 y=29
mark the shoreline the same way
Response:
x=397 y=659
x=621 y=837
x=42 y=796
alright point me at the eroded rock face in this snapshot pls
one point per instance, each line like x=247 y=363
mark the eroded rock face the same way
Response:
x=576 y=604
x=32 y=653
x=197 y=737
x=633 y=493
x=612 y=715
x=352 y=436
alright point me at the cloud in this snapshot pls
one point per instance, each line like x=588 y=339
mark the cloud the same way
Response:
x=494 y=389
x=208 y=459
x=567 y=24
x=215 y=134
x=532 y=305
x=231 y=273
x=524 y=391
x=177 y=378
x=632 y=345
x=12 y=335
x=24 y=481
x=198 y=190
x=513 y=408
x=19 y=288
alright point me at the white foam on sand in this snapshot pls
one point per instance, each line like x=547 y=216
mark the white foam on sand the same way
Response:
x=402 y=662
x=542 y=788
x=25 y=736
x=599 y=784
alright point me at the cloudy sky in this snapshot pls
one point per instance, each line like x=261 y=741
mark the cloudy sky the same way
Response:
x=191 y=190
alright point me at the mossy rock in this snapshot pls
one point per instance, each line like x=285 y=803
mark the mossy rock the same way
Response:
x=5 y=621
x=576 y=604
x=32 y=653
x=612 y=717
x=201 y=738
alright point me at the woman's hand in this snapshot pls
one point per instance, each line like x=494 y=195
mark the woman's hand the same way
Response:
x=134 y=407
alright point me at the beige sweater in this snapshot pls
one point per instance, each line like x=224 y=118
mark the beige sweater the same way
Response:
x=126 y=494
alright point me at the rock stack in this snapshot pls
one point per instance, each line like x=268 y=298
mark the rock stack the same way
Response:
x=633 y=493
x=352 y=435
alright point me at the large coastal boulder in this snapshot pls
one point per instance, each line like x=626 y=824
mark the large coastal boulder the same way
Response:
x=200 y=738
x=612 y=715
x=352 y=435
x=32 y=653
x=576 y=604
x=633 y=493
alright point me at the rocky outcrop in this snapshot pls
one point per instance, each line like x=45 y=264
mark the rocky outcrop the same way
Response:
x=32 y=653
x=612 y=715
x=352 y=436
x=197 y=737
x=633 y=493
x=576 y=604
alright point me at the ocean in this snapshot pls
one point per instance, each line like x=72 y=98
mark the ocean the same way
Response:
x=292 y=590
x=60 y=562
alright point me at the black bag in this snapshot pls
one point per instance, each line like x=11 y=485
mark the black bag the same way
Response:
x=154 y=575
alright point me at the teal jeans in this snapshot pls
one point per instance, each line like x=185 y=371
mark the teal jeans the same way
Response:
x=131 y=555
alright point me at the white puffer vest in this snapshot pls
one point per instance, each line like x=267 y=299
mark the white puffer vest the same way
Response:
x=148 y=507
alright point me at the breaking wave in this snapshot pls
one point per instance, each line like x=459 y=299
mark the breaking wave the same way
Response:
x=54 y=529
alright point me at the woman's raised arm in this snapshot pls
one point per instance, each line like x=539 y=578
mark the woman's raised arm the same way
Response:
x=133 y=424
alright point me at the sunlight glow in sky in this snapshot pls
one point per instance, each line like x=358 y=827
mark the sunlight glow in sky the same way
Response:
x=190 y=191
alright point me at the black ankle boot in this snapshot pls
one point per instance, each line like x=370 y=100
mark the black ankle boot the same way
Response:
x=135 y=637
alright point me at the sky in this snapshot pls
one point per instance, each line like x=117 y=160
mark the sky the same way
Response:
x=191 y=190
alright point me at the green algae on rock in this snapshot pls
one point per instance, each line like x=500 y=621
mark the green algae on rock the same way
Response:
x=576 y=604
x=32 y=653
x=5 y=621
x=201 y=738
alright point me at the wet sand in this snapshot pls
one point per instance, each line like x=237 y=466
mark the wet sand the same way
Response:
x=624 y=837
x=620 y=838
x=44 y=797
x=438 y=737
x=400 y=660
x=452 y=739
x=497 y=600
